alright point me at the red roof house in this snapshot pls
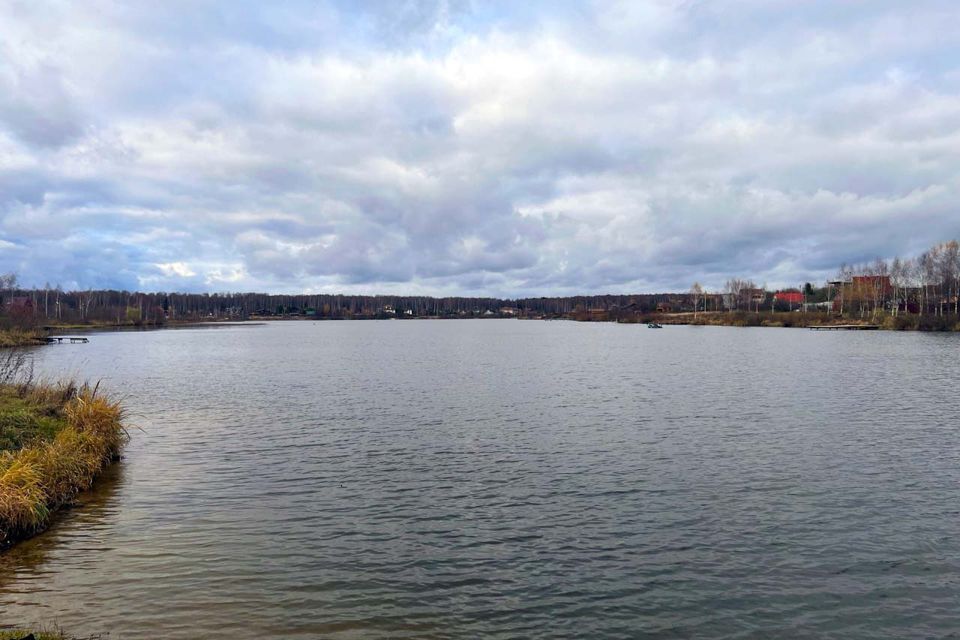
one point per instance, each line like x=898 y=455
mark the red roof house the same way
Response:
x=792 y=297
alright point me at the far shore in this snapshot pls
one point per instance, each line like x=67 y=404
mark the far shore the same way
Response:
x=29 y=337
x=902 y=322
x=16 y=337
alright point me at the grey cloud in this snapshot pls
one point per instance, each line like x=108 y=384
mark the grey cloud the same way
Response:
x=37 y=108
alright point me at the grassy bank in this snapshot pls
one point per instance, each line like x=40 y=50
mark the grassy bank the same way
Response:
x=905 y=322
x=748 y=319
x=21 y=337
x=54 y=440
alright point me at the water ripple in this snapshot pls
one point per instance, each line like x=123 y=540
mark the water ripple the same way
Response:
x=506 y=479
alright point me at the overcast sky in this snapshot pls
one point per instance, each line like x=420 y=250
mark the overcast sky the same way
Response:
x=459 y=147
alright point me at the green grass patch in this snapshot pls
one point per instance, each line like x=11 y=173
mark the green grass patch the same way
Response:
x=24 y=422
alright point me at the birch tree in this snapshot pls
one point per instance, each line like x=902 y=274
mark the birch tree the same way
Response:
x=696 y=294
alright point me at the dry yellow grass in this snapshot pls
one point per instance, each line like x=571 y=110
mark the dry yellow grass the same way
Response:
x=21 y=337
x=38 y=478
x=23 y=633
x=46 y=634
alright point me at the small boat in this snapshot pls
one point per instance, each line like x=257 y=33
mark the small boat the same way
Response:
x=654 y=325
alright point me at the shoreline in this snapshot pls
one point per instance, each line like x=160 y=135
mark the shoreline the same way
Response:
x=55 y=441
x=13 y=338
x=16 y=338
x=797 y=320
x=29 y=634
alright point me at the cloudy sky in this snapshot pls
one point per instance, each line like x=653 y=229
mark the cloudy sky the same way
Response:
x=472 y=147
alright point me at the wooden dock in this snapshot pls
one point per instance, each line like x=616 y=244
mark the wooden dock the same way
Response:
x=71 y=339
x=845 y=327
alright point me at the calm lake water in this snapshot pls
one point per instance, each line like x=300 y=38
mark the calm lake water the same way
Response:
x=511 y=479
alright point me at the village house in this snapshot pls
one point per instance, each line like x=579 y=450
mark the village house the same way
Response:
x=788 y=296
x=874 y=282
x=753 y=298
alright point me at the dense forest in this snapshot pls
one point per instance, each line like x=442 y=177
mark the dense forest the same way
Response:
x=37 y=307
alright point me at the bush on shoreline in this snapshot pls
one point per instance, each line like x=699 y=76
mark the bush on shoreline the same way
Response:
x=54 y=440
x=742 y=319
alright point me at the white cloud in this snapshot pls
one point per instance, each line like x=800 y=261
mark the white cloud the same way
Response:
x=176 y=269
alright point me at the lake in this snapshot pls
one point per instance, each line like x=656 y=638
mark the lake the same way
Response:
x=510 y=479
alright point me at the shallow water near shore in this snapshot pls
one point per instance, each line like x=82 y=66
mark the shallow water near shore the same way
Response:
x=508 y=479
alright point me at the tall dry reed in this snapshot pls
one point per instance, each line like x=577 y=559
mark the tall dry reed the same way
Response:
x=37 y=479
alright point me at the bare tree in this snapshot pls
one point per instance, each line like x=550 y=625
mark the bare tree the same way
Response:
x=879 y=281
x=696 y=294
x=949 y=271
x=8 y=282
x=733 y=289
x=922 y=273
x=898 y=281
x=955 y=253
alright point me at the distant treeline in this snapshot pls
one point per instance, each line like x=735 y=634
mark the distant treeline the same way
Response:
x=35 y=307
x=926 y=284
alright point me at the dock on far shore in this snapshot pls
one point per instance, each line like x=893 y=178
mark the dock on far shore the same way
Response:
x=61 y=339
x=845 y=327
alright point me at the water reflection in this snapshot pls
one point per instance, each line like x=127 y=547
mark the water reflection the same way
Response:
x=78 y=527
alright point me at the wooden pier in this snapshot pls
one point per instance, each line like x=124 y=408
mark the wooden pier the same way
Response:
x=845 y=327
x=71 y=339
